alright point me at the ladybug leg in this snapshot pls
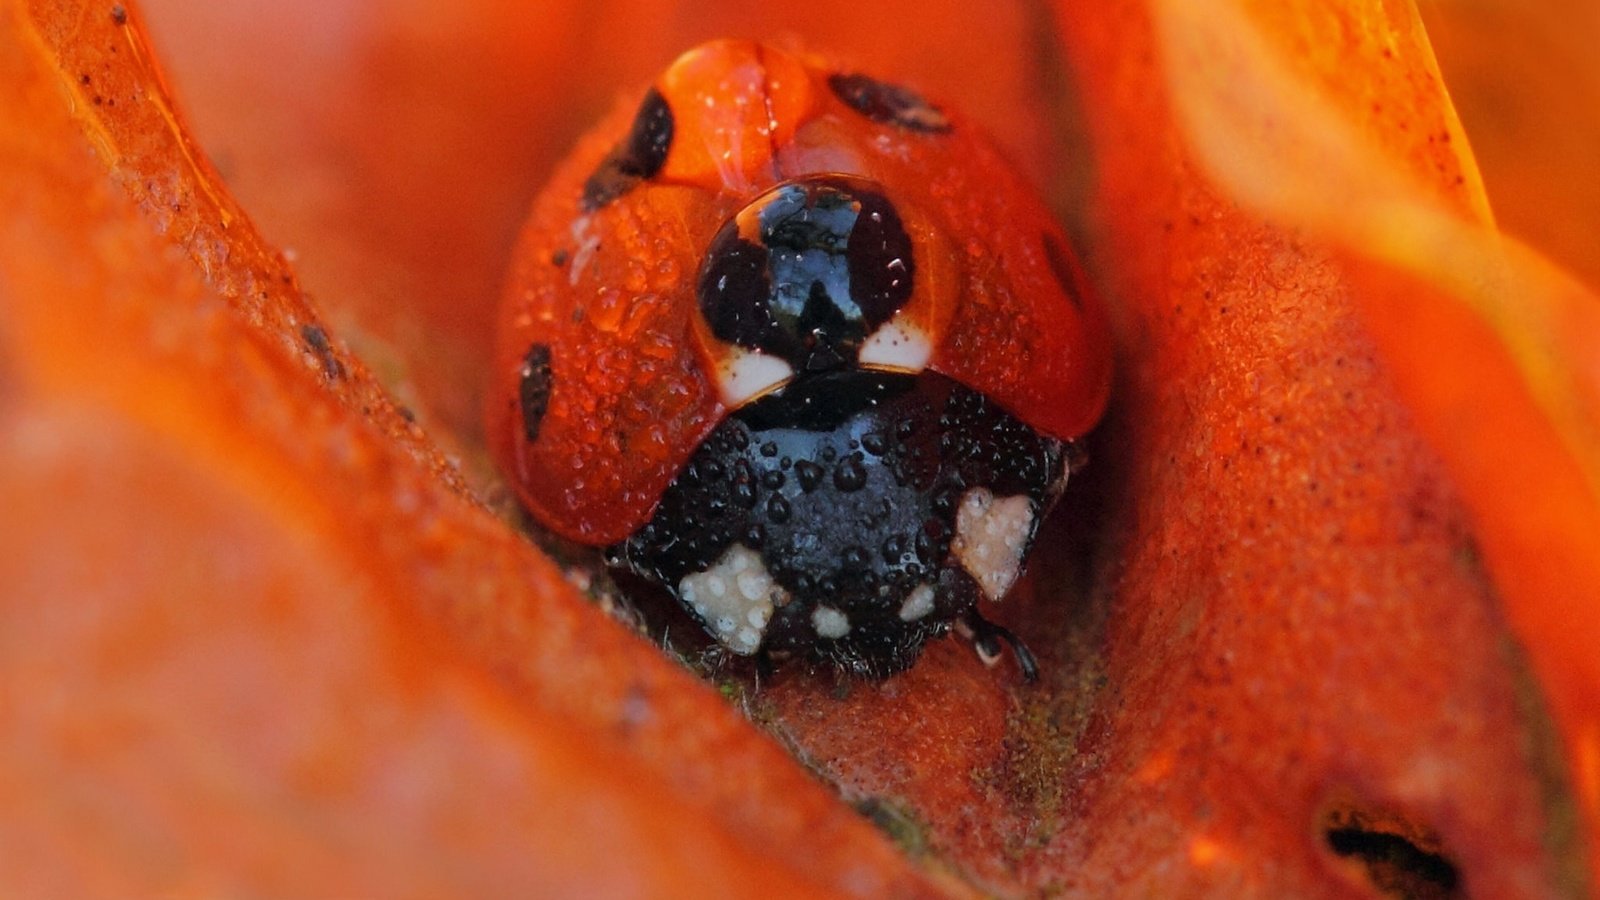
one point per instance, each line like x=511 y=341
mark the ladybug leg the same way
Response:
x=764 y=668
x=985 y=637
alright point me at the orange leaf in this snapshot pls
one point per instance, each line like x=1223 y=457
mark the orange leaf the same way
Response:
x=261 y=638
x=270 y=640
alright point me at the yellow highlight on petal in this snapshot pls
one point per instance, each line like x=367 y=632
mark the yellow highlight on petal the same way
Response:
x=1205 y=852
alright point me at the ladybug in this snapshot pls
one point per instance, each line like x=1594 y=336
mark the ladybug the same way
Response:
x=795 y=345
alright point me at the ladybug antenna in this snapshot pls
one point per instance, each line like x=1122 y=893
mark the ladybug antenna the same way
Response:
x=985 y=637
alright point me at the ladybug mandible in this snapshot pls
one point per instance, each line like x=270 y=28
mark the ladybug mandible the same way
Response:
x=797 y=346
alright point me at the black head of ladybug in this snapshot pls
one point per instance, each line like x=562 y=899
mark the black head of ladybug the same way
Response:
x=807 y=272
x=854 y=503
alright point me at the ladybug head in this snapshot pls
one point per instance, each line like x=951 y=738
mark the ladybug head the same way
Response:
x=818 y=273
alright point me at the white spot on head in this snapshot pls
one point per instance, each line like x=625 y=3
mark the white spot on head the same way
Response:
x=897 y=347
x=750 y=374
x=734 y=598
x=829 y=622
x=918 y=603
x=991 y=535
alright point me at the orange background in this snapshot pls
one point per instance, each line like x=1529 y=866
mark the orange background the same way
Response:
x=271 y=625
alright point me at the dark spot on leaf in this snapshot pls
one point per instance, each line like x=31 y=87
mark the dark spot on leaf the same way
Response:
x=1401 y=858
x=317 y=342
x=1061 y=266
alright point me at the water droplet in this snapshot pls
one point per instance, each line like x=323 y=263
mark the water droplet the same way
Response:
x=755 y=536
x=809 y=473
x=850 y=475
x=894 y=547
x=778 y=509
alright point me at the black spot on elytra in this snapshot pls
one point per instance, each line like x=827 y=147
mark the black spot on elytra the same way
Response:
x=534 y=391
x=317 y=342
x=119 y=15
x=888 y=103
x=640 y=155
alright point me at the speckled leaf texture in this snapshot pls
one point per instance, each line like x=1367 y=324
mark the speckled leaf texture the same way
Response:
x=1320 y=619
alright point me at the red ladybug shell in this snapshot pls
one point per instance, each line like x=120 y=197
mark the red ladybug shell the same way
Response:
x=605 y=374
